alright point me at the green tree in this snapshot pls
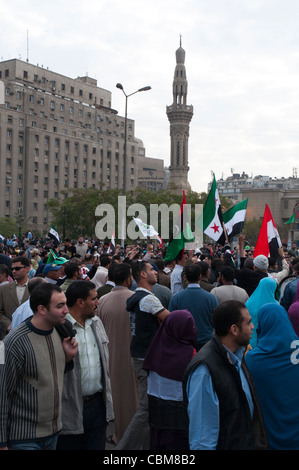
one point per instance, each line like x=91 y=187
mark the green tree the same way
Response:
x=8 y=227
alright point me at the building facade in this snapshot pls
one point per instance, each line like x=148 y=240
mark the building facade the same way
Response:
x=58 y=133
x=280 y=194
x=179 y=115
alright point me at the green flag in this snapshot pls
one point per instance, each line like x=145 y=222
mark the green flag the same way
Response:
x=53 y=258
x=181 y=236
x=291 y=219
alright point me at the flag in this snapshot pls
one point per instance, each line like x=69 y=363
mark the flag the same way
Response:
x=212 y=216
x=182 y=234
x=234 y=218
x=268 y=240
x=294 y=219
x=53 y=258
x=160 y=241
x=291 y=219
x=111 y=247
x=148 y=230
x=54 y=235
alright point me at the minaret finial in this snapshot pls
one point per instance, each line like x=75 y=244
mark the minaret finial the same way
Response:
x=180 y=40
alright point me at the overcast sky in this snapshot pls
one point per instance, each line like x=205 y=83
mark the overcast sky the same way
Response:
x=242 y=63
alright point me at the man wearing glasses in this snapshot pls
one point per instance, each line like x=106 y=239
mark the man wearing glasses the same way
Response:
x=13 y=294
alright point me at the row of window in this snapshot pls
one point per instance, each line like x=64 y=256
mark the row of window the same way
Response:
x=53 y=85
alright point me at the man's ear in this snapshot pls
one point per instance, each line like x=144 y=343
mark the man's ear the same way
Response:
x=42 y=310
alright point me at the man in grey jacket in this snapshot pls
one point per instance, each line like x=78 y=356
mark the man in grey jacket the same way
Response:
x=87 y=399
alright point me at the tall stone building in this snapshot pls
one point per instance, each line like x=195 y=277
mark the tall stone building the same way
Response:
x=58 y=133
x=179 y=115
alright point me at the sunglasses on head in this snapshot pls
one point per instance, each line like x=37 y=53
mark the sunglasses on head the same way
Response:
x=17 y=268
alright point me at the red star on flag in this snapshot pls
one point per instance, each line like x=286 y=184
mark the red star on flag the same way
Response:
x=215 y=228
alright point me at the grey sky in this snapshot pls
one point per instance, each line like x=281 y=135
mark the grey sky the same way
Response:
x=242 y=62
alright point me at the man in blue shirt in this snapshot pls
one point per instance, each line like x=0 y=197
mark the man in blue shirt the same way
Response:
x=223 y=409
x=198 y=301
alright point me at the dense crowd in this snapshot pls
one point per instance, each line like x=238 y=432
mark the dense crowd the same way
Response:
x=198 y=352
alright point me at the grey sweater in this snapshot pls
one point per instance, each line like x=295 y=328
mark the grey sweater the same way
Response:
x=31 y=381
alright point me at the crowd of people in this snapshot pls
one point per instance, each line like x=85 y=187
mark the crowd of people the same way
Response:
x=196 y=353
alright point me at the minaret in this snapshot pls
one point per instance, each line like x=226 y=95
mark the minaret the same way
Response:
x=179 y=115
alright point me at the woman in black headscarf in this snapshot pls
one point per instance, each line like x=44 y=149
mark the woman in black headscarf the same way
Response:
x=167 y=358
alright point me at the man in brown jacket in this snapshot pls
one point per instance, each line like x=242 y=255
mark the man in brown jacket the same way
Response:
x=15 y=293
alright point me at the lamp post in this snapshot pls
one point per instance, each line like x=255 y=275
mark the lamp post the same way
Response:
x=145 y=88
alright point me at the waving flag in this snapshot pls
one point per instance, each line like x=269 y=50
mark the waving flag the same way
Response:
x=182 y=234
x=54 y=235
x=212 y=216
x=268 y=240
x=234 y=218
x=111 y=247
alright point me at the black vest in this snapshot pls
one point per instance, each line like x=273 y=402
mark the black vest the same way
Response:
x=237 y=430
x=143 y=326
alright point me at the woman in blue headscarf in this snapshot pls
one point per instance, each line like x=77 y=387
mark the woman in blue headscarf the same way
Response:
x=274 y=366
x=263 y=294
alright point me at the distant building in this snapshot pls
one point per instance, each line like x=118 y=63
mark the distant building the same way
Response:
x=179 y=115
x=58 y=133
x=281 y=194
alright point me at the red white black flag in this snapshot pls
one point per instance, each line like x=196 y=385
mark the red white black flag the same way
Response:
x=268 y=240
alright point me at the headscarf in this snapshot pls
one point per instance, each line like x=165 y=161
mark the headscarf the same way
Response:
x=274 y=366
x=263 y=294
x=173 y=346
x=100 y=277
x=293 y=311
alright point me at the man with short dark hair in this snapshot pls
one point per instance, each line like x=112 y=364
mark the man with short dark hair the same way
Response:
x=146 y=312
x=72 y=272
x=13 y=294
x=198 y=301
x=227 y=290
x=87 y=398
x=31 y=377
x=217 y=381
x=113 y=312
x=176 y=275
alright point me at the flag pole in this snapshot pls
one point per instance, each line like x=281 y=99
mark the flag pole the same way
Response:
x=225 y=233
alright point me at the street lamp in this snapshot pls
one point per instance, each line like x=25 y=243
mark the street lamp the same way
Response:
x=145 y=88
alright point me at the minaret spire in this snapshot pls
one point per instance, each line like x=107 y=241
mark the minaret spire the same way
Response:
x=179 y=115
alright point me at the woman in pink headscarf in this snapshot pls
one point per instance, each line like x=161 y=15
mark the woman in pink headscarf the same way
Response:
x=293 y=312
x=167 y=358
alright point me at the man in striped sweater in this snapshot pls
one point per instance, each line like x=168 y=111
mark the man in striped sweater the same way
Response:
x=31 y=377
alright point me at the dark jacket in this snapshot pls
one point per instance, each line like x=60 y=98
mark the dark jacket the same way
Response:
x=237 y=430
x=249 y=279
x=143 y=325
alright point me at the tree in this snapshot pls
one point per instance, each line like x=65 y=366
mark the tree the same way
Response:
x=8 y=227
x=74 y=211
